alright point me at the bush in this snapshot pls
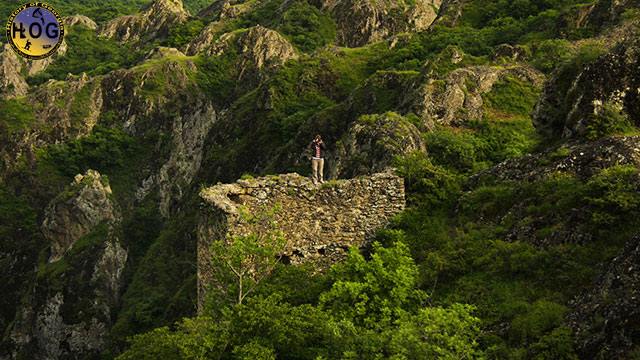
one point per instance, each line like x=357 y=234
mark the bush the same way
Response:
x=88 y=53
x=427 y=183
x=609 y=120
x=182 y=34
x=549 y=54
x=307 y=27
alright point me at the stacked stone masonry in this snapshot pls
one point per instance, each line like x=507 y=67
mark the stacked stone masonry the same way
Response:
x=320 y=222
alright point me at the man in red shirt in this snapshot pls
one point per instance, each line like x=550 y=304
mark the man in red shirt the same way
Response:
x=317 y=159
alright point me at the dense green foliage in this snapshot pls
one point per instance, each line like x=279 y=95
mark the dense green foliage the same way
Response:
x=98 y=10
x=88 y=53
x=371 y=310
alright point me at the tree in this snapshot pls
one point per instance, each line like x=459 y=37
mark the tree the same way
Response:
x=241 y=263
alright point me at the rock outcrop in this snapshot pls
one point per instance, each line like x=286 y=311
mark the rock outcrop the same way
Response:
x=82 y=20
x=12 y=81
x=152 y=23
x=609 y=84
x=65 y=110
x=458 y=96
x=76 y=212
x=450 y=13
x=371 y=144
x=360 y=22
x=226 y=9
x=574 y=162
x=605 y=319
x=160 y=52
x=140 y=98
x=260 y=50
x=69 y=309
x=607 y=12
x=580 y=159
x=319 y=223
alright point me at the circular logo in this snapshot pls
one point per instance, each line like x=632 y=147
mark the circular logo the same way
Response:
x=35 y=30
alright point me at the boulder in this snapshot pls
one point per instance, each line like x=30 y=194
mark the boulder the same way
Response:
x=371 y=144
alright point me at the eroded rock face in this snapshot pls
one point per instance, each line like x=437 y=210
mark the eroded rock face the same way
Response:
x=605 y=319
x=67 y=313
x=576 y=161
x=450 y=12
x=141 y=96
x=78 y=19
x=63 y=110
x=153 y=23
x=143 y=111
x=319 y=223
x=606 y=12
x=77 y=212
x=12 y=82
x=226 y=9
x=581 y=159
x=457 y=97
x=260 y=50
x=189 y=134
x=360 y=22
x=371 y=144
x=611 y=82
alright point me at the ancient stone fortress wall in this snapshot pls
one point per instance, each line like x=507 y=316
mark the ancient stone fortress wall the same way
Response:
x=319 y=222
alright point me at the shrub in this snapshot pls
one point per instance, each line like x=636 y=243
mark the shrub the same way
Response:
x=306 y=26
x=88 y=53
x=549 y=54
x=609 y=119
x=183 y=33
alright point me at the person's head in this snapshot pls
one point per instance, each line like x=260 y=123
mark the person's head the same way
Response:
x=317 y=138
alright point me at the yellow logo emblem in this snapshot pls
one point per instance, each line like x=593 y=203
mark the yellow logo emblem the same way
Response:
x=35 y=30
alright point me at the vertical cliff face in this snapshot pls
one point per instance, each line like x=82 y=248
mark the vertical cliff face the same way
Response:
x=76 y=212
x=319 y=222
x=68 y=311
x=12 y=81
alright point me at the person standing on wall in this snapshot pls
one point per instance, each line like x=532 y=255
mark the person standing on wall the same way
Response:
x=317 y=159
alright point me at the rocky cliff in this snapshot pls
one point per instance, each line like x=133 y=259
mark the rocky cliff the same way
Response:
x=319 y=222
x=360 y=22
x=12 y=82
x=459 y=96
x=74 y=214
x=599 y=95
x=372 y=143
x=69 y=308
x=152 y=23
x=606 y=317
